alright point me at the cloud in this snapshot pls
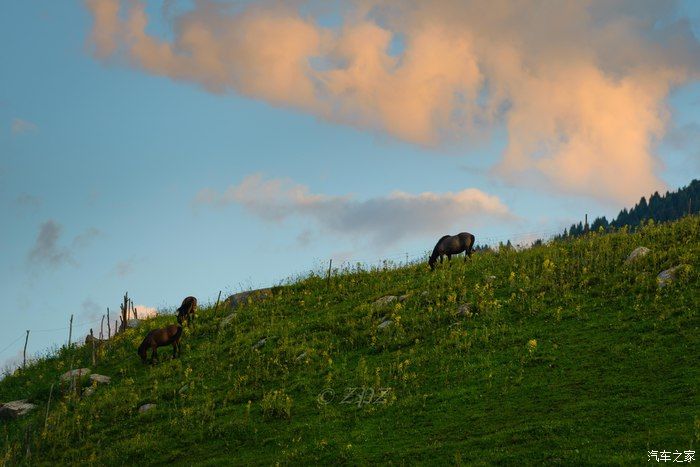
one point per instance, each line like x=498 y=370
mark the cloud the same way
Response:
x=46 y=249
x=26 y=200
x=22 y=126
x=579 y=86
x=124 y=268
x=384 y=220
x=48 y=252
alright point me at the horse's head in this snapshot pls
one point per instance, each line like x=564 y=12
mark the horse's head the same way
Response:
x=142 y=352
x=431 y=262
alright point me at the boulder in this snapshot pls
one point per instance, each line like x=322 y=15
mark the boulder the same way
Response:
x=133 y=323
x=384 y=324
x=77 y=373
x=258 y=295
x=403 y=297
x=15 y=409
x=227 y=320
x=89 y=339
x=669 y=275
x=146 y=407
x=261 y=343
x=637 y=253
x=100 y=379
x=466 y=310
x=385 y=300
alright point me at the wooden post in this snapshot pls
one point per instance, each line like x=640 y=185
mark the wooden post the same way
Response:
x=116 y=327
x=125 y=311
x=216 y=307
x=330 y=265
x=109 y=329
x=102 y=336
x=585 y=224
x=70 y=331
x=46 y=418
x=93 y=347
x=24 y=358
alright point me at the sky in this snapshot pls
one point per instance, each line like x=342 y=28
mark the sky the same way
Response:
x=181 y=148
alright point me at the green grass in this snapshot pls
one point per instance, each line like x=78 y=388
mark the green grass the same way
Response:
x=572 y=357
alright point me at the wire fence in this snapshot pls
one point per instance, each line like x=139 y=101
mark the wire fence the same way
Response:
x=387 y=261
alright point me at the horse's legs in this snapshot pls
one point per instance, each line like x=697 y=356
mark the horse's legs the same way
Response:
x=175 y=349
x=449 y=257
x=154 y=354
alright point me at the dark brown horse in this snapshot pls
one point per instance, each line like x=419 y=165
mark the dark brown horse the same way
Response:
x=187 y=310
x=158 y=338
x=452 y=245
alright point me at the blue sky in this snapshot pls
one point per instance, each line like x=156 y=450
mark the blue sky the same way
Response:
x=109 y=160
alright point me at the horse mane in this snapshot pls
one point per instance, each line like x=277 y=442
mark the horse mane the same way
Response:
x=438 y=244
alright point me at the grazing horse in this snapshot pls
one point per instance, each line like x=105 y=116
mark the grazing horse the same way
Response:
x=452 y=245
x=158 y=338
x=186 y=311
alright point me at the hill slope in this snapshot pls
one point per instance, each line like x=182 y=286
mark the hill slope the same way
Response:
x=570 y=355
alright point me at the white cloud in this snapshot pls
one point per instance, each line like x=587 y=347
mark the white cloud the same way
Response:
x=384 y=220
x=22 y=126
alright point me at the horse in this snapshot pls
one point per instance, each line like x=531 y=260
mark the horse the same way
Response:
x=158 y=338
x=452 y=245
x=186 y=311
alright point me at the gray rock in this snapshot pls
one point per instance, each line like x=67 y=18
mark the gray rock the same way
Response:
x=133 y=323
x=465 y=310
x=227 y=320
x=77 y=373
x=301 y=356
x=669 y=275
x=15 y=409
x=403 y=297
x=261 y=343
x=637 y=253
x=100 y=379
x=236 y=300
x=385 y=300
x=146 y=407
x=385 y=324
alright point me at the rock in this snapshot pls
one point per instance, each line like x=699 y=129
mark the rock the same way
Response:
x=465 y=310
x=669 y=275
x=235 y=300
x=133 y=323
x=100 y=379
x=77 y=373
x=89 y=339
x=403 y=297
x=637 y=253
x=184 y=389
x=261 y=343
x=385 y=300
x=385 y=324
x=15 y=409
x=227 y=320
x=301 y=356
x=146 y=407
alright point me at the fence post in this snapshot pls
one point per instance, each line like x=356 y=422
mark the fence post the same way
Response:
x=109 y=327
x=24 y=354
x=216 y=307
x=92 y=339
x=102 y=335
x=70 y=331
x=330 y=265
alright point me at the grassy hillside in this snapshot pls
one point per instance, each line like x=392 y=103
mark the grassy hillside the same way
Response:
x=570 y=355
